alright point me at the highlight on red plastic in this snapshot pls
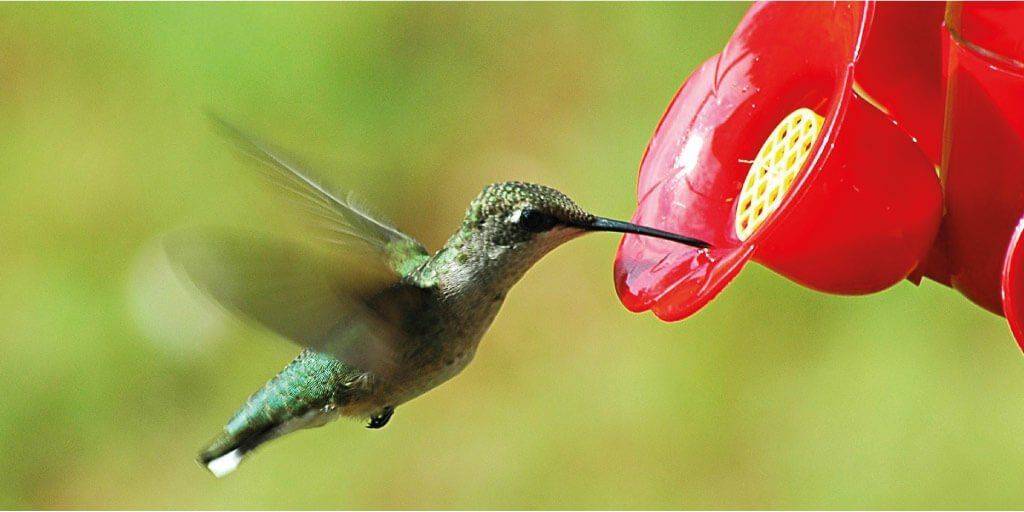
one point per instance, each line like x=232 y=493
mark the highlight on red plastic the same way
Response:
x=983 y=170
x=1013 y=284
x=858 y=216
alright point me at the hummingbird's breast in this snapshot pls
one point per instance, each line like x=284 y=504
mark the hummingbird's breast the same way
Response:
x=443 y=332
x=442 y=350
x=442 y=343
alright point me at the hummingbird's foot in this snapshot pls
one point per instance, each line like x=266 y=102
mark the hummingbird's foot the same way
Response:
x=379 y=420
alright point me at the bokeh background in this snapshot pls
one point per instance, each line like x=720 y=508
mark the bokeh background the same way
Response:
x=112 y=374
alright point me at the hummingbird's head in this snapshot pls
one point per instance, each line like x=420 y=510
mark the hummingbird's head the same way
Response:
x=513 y=213
x=513 y=224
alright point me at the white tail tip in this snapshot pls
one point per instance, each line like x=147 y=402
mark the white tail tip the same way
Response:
x=225 y=463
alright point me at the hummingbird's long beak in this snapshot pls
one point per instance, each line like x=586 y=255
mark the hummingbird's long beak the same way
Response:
x=618 y=226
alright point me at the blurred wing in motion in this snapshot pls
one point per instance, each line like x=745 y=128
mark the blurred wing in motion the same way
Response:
x=336 y=215
x=340 y=304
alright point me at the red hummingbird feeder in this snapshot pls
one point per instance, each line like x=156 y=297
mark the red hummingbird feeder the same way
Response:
x=769 y=153
x=983 y=167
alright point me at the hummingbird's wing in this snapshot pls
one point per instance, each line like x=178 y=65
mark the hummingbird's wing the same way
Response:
x=336 y=215
x=343 y=304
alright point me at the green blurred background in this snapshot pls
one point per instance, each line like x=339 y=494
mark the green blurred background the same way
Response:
x=112 y=375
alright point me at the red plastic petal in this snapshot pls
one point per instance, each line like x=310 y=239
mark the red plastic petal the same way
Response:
x=1013 y=284
x=984 y=164
x=858 y=219
x=901 y=68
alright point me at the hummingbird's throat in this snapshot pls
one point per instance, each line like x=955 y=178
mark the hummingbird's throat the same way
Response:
x=776 y=166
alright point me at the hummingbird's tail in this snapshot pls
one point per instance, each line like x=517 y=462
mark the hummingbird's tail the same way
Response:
x=303 y=395
x=223 y=455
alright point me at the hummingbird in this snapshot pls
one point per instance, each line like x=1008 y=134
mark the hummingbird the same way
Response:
x=380 y=319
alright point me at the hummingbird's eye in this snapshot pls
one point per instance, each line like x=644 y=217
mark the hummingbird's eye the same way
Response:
x=535 y=221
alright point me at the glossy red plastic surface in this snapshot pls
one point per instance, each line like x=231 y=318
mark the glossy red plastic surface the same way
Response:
x=1013 y=284
x=901 y=68
x=859 y=217
x=995 y=28
x=983 y=169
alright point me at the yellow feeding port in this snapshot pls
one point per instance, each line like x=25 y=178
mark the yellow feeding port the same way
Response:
x=775 y=168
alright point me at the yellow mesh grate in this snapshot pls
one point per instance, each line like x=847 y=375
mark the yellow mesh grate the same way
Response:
x=775 y=168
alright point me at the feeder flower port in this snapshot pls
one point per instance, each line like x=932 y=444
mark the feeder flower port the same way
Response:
x=816 y=160
x=769 y=153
